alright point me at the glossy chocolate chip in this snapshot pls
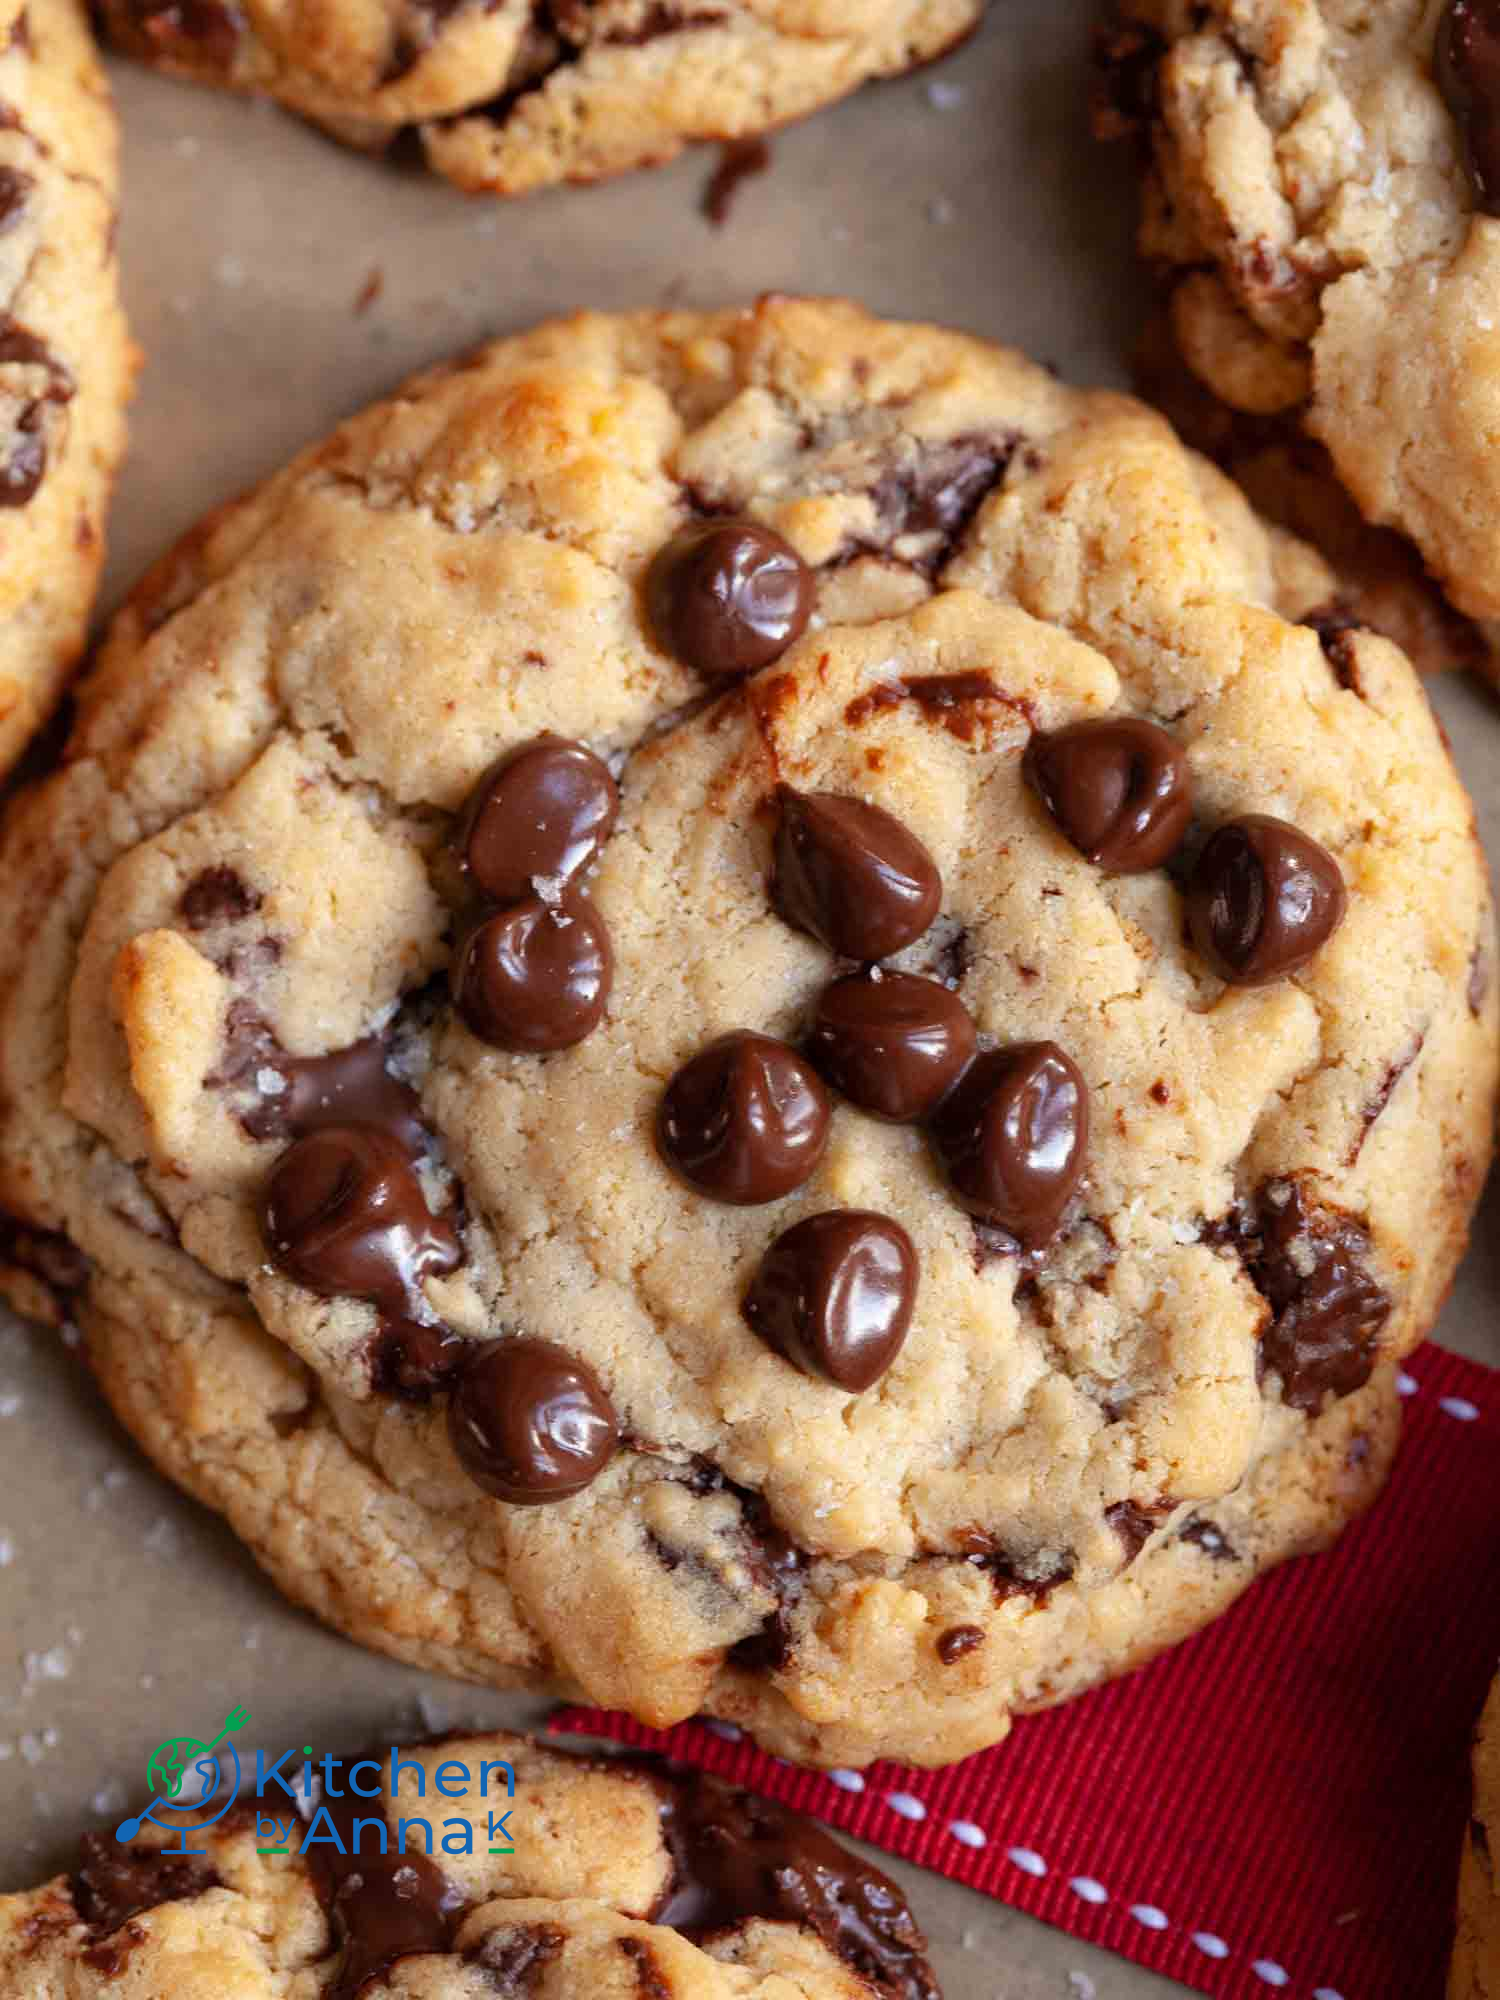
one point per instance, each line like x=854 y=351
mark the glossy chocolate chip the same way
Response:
x=1116 y=787
x=1013 y=1136
x=530 y=1422
x=893 y=1043
x=728 y=597
x=1263 y=899
x=745 y=1121
x=345 y=1215
x=536 y=977
x=540 y=814
x=381 y=1907
x=1466 y=63
x=852 y=875
x=834 y=1294
x=1313 y=1266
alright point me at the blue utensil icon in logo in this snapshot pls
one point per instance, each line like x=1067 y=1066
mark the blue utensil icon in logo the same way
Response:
x=216 y=1767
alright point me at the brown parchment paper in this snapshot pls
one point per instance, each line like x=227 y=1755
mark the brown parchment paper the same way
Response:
x=276 y=284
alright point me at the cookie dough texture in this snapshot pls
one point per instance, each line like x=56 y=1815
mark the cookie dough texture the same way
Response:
x=569 y=1913
x=518 y=94
x=66 y=361
x=1308 y=204
x=1083 y=1460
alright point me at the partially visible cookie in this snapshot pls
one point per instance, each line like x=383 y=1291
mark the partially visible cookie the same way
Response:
x=1327 y=226
x=66 y=361
x=518 y=94
x=467 y=1866
x=1475 y=1972
x=748 y=1011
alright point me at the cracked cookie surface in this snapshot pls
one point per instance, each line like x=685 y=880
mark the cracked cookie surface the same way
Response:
x=66 y=361
x=620 y=1879
x=519 y=94
x=245 y=907
x=1333 y=275
x=1475 y=1970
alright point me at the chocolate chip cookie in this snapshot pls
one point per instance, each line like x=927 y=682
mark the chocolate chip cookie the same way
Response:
x=467 y=1865
x=517 y=94
x=746 y=1012
x=1322 y=194
x=66 y=362
x=1475 y=1972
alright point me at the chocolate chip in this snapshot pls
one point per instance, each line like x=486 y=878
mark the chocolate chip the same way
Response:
x=1479 y=980
x=777 y=1565
x=1214 y=1543
x=191 y=31
x=15 y=190
x=728 y=597
x=892 y=1043
x=540 y=814
x=530 y=1422
x=1466 y=63
x=958 y=1642
x=114 y=1883
x=297 y=1094
x=345 y=1215
x=1134 y=1525
x=1035 y=1575
x=852 y=875
x=938 y=491
x=651 y=1983
x=218 y=895
x=739 y=1857
x=957 y=701
x=1263 y=900
x=514 y=1956
x=1013 y=1135
x=745 y=1121
x=382 y=1907
x=739 y=161
x=536 y=977
x=1311 y=1266
x=1116 y=787
x=835 y=1294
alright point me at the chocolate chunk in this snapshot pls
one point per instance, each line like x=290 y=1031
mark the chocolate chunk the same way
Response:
x=218 y=895
x=536 y=977
x=540 y=814
x=1134 y=1525
x=115 y=1883
x=728 y=597
x=745 y=1121
x=1013 y=1136
x=852 y=875
x=530 y=1422
x=958 y=1642
x=1310 y=1264
x=1116 y=787
x=1263 y=900
x=382 y=1907
x=835 y=1294
x=1214 y=1543
x=892 y=1043
x=515 y=1956
x=345 y=1215
x=1466 y=64
x=939 y=491
x=739 y=1857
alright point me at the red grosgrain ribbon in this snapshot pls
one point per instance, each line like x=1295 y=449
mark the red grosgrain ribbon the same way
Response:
x=1274 y=1807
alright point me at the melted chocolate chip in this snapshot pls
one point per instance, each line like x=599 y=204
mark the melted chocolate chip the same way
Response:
x=1263 y=900
x=745 y=1121
x=835 y=1294
x=1010 y=1575
x=958 y=1642
x=536 y=977
x=540 y=814
x=15 y=191
x=1466 y=63
x=894 y=1044
x=1013 y=1135
x=514 y=1956
x=114 y=1883
x=24 y=464
x=1116 y=787
x=218 y=895
x=739 y=1857
x=728 y=597
x=345 y=1215
x=349 y=1086
x=1214 y=1543
x=1134 y=1525
x=938 y=493
x=1310 y=1265
x=957 y=701
x=382 y=1907
x=192 y=31
x=851 y=875
x=739 y=160
x=530 y=1422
